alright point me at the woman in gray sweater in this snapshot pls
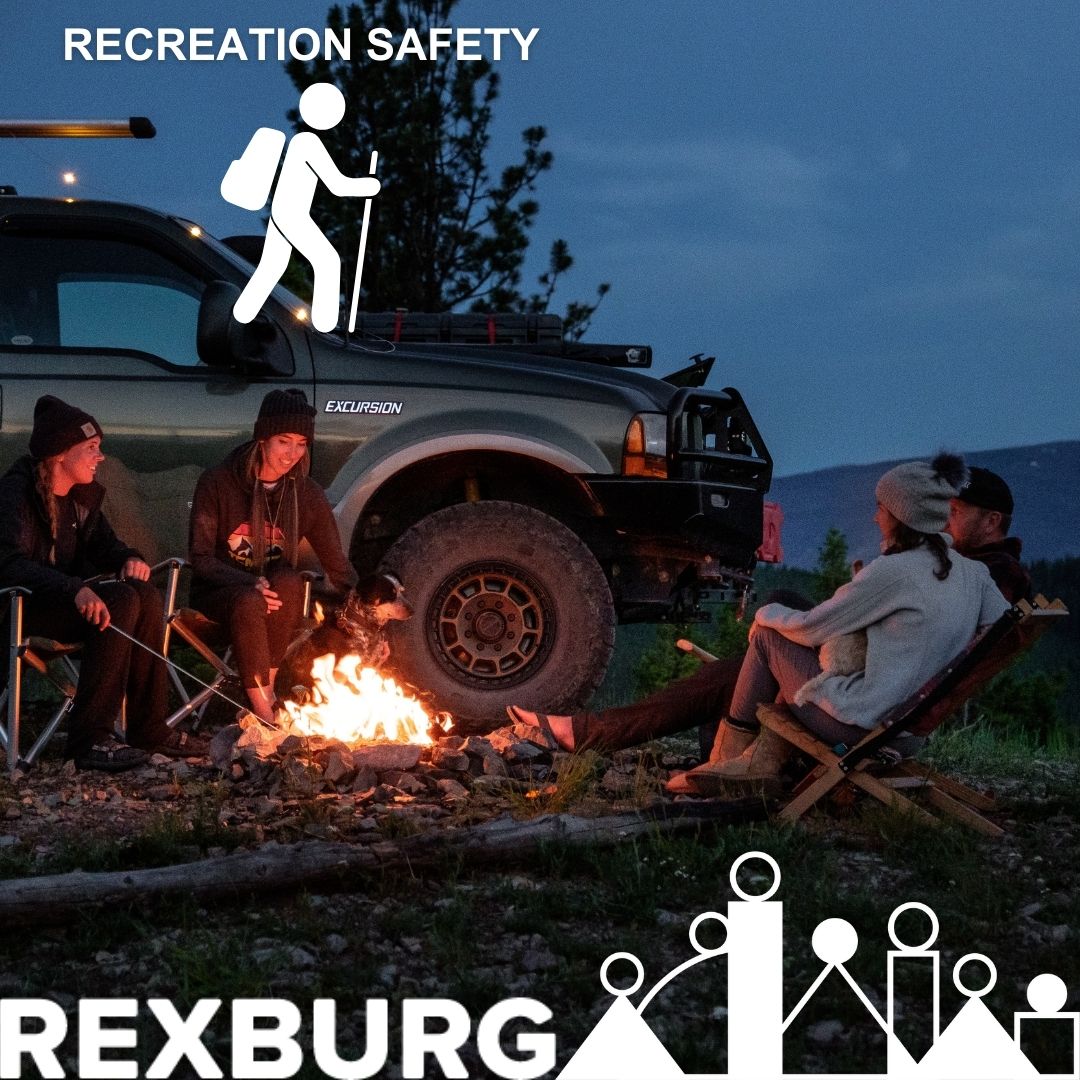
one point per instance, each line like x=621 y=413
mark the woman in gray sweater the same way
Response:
x=919 y=604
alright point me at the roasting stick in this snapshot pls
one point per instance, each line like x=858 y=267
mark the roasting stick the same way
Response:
x=694 y=650
x=183 y=671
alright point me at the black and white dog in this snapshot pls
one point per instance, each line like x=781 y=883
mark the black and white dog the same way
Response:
x=357 y=626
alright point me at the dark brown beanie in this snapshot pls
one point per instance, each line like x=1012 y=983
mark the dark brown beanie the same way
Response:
x=285 y=412
x=58 y=427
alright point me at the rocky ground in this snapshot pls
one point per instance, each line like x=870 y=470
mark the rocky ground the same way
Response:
x=275 y=785
x=538 y=926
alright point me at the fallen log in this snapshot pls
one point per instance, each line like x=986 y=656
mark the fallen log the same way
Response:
x=282 y=867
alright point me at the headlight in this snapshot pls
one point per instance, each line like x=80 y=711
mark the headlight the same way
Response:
x=645 y=446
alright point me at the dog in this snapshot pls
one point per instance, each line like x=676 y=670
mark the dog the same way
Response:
x=357 y=626
x=843 y=655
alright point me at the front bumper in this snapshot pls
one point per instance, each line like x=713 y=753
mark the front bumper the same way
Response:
x=688 y=520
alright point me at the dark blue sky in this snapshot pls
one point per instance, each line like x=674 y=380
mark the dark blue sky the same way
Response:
x=870 y=212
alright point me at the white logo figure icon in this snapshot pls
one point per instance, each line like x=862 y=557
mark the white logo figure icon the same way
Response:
x=248 y=181
x=974 y=1046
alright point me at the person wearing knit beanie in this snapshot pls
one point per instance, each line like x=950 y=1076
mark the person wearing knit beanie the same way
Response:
x=285 y=412
x=249 y=517
x=918 y=493
x=56 y=541
x=907 y=613
x=58 y=427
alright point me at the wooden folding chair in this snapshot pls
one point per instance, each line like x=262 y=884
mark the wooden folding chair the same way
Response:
x=873 y=767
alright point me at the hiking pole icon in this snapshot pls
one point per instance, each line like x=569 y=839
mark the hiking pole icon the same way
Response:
x=363 y=249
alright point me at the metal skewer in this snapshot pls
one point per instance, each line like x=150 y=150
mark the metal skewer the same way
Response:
x=195 y=678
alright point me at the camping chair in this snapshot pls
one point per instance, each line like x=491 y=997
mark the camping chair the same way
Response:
x=55 y=660
x=38 y=653
x=874 y=767
x=211 y=641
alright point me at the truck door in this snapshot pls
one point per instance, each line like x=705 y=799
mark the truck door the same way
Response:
x=104 y=316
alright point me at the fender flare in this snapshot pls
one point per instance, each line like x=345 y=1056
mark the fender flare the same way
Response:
x=351 y=505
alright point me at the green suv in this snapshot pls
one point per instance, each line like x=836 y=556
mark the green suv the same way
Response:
x=528 y=497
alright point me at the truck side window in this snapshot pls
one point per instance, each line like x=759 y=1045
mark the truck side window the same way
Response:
x=100 y=293
x=150 y=316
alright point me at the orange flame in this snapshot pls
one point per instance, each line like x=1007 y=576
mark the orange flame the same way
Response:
x=356 y=704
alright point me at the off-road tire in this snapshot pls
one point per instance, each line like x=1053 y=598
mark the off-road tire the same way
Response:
x=510 y=607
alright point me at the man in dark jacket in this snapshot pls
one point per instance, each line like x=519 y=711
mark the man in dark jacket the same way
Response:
x=979 y=522
x=53 y=536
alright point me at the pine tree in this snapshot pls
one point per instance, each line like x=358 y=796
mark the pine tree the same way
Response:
x=444 y=233
x=833 y=568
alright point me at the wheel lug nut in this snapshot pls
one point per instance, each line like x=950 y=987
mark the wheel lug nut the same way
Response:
x=468 y=633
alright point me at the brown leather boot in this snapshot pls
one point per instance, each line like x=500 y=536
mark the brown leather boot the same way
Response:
x=730 y=742
x=755 y=771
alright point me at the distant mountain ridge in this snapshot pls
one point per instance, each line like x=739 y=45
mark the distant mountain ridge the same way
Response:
x=1045 y=481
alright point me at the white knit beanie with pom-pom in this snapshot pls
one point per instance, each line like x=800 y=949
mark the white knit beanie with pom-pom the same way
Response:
x=918 y=492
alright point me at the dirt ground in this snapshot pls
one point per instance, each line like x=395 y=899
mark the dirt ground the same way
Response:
x=539 y=925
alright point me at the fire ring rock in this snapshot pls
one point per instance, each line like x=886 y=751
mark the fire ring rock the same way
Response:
x=383 y=756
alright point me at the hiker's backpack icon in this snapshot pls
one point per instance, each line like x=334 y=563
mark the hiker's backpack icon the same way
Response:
x=250 y=177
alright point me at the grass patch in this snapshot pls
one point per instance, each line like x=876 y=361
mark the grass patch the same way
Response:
x=986 y=751
x=573 y=785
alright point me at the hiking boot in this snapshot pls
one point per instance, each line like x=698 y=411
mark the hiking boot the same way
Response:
x=111 y=755
x=730 y=744
x=181 y=744
x=755 y=771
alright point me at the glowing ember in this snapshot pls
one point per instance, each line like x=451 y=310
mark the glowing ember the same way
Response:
x=356 y=704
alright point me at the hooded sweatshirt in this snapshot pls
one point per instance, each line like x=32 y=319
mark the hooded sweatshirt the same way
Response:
x=220 y=533
x=1002 y=559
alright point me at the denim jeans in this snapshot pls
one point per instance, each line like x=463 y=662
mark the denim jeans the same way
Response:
x=774 y=669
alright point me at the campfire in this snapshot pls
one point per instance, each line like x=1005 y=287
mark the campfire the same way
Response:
x=362 y=736
x=356 y=704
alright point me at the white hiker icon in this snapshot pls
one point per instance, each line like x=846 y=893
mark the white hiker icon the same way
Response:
x=307 y=161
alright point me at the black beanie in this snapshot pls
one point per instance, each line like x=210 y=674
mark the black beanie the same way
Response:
x=58 y=427
x=285 y=412
x=987 y=490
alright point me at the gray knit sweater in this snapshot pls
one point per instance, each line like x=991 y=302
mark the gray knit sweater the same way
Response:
x=914 y=625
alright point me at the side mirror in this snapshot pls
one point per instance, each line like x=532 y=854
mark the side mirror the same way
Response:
x=223 y=342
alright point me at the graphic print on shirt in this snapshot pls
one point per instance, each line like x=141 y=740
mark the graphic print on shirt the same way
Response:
x=240 y=547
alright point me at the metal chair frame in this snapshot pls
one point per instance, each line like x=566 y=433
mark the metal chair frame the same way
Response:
x=194 y=628
x=38 y=653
